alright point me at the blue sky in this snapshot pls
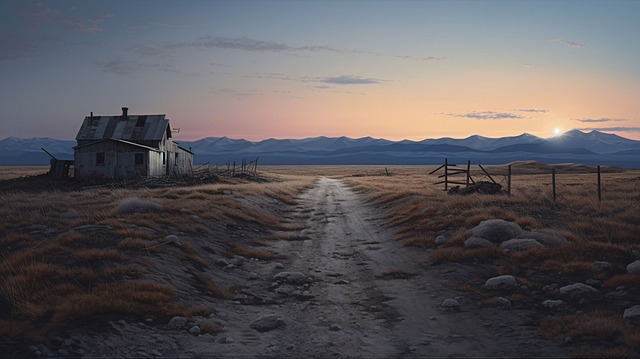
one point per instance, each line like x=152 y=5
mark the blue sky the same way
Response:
x=295 y=69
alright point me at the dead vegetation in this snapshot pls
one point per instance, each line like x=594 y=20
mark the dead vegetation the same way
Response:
x=65 y=254
x=88 y=256
x=604 y=230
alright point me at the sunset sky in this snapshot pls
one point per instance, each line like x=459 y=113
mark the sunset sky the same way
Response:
x=295 y=69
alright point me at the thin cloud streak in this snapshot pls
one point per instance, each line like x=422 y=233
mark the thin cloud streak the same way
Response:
x=37 y=19
x=250 y=45
x=350 y=80
x=488 y=115
x=590 y=120
x=571 y=44
x=331 y=80
x=611 y=129
x=40 y=14
x=414 y=58
x=533 y=110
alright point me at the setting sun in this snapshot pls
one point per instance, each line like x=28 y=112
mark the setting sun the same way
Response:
x=556 y=131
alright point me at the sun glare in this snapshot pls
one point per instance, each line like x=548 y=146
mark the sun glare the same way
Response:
x=556 y=131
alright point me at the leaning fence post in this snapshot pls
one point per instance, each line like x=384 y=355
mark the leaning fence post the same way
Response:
x=599 y=186
x=553 y=182
x=468 y=171
x=509 y=181
x=446 y=175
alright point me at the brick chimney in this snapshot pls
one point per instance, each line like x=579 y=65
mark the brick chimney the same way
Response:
x=125 y=111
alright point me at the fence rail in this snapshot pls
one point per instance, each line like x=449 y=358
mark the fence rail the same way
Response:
x=452 y=170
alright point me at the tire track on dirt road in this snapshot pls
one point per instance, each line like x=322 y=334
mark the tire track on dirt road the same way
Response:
x=354 y=305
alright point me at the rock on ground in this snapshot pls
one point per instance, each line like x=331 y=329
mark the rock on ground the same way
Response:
x=633 y=314
x=545 y=237
x=291 y=278
x=450 y=303
x=634 y=267
x=477 y=242
x=501 y=282
x=497 y=230
x=267 y=323
x=519 y=244
x=177 y=322
x=579 y=291
x=554 y=304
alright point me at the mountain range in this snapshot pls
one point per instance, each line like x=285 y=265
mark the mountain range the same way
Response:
x=589 y=148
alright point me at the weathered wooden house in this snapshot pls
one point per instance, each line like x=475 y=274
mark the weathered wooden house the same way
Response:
x=122 y=147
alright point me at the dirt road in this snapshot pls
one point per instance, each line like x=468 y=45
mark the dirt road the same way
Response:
x=365 y=296
x=346 y=289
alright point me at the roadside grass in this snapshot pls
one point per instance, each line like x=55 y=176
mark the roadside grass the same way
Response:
x=595 y=230
x=209 y=327
x=287 y=236
x=213 y=287
x=251 y=252
x=607 y=332
x=83 y=256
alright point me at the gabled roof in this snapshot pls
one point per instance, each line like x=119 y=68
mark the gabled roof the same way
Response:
x=120 y=141
x=128 y=128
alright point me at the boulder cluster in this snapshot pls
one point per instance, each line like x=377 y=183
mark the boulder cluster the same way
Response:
x=510 y=237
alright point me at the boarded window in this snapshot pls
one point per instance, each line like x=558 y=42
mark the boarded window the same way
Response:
x=139 y=159
x=100 y=158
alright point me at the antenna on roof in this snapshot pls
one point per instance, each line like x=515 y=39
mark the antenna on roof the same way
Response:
x=175 y=130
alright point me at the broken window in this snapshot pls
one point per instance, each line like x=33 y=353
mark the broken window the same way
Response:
x=100 y=158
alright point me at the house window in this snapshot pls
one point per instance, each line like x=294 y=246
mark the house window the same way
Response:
x=175 y=163
x=139 y=159
x=164 y=158
x=100 y=158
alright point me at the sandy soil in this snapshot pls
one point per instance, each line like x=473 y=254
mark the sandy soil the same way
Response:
x=362 y=294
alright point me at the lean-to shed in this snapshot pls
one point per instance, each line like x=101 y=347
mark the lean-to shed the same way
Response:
x=124 y=146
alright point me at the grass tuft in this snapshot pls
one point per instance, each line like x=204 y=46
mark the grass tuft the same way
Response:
x=251 y=252
x=214 y=288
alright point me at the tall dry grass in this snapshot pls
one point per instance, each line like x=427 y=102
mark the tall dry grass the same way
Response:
x=596 y=230
x=71 y=257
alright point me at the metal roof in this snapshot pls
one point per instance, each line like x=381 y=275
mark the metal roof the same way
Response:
x=128 y=128
x=117 y=140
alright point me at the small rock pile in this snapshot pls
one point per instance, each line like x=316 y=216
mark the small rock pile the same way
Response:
x=510 y=237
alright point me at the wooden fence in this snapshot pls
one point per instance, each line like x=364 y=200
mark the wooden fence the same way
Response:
x=230 y=169
x=452 y=170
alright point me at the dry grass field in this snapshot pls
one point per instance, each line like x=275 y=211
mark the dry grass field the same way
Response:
x=11 y=172
x=606 y=231
x=69 y=258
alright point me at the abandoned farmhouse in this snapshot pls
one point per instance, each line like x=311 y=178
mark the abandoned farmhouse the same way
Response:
x=123 y=146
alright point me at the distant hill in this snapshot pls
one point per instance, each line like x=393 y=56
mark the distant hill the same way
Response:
x=28 y=152
x=588 y=148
